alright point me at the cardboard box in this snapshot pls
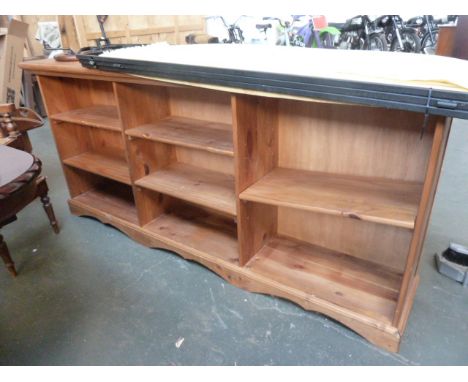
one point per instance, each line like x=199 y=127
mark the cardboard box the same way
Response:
x=11 y=54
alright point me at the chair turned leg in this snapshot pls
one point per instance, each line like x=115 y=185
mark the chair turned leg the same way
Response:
x=42 y=191
x=5 y=254
x=50 y=213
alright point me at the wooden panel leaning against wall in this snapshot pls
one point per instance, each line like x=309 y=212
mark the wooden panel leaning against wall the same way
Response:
x=81 y=31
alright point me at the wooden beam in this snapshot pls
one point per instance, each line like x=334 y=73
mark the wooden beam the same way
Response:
x=80 y=31
x=461 y=38
x=446 y=40
x=453 y=39
x=68 y=32
x=109 y=34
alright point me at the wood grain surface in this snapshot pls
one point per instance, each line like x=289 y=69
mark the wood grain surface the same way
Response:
x=363 y=198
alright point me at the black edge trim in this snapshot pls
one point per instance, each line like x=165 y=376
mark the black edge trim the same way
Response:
x=363 y=93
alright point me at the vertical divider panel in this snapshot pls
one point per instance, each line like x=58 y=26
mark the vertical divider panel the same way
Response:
x=147 y=157
x=255 y=129
x=137 y=105
x=140 y=104
x=441 y=133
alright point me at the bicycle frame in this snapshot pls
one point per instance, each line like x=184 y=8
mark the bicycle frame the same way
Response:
x=396 y=28
x=235 y=34
x=430 y=29
x=310 y=34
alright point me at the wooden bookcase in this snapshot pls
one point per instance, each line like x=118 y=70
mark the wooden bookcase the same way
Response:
x=324 y=204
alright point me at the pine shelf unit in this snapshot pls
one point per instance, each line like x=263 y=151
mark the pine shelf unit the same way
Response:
x=324 y=204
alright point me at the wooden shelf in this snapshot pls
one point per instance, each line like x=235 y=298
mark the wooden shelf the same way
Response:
x=99 y=164
x=109 y=200
x=187 y=132
x=103 y=116
x=351 y=283
x=193 y=184
x=206 y=233
x=376 y=200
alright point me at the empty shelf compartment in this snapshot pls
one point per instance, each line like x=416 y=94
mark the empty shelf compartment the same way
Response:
x=206 y=188
x=378 y=200
x=190 y=228
x=109 y=199
x=103 y=116
x=346 y=281
x=108 y=166
x=204 y=135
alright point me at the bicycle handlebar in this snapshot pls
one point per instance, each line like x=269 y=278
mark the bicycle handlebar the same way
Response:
x=285 y=24
x=277 y=19
x=234 y=24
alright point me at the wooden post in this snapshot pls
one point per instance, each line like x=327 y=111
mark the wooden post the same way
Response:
x=68 y=32
x=453 y=40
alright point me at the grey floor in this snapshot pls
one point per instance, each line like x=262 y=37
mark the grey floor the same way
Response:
x=92 y=296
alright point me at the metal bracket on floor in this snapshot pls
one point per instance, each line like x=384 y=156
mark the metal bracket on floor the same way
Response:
x=453 y=263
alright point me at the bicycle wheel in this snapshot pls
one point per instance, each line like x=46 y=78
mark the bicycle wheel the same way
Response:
x=410 y=41
x=428 y=44
x=329 y=37
x=327 y=40
x=376 y=42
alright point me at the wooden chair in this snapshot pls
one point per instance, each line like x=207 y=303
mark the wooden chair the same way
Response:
x=15 y=124
x=20 y=183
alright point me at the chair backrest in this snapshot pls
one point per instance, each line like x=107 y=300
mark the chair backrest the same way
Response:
x=16 y=121
x=14 y=125
x=7 y=125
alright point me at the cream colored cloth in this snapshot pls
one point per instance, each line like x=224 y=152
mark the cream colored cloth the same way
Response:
x=392 y=68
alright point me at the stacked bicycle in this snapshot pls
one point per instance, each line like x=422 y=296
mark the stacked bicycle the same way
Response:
x=387 y=32
x=304 y=31
x=417 y=35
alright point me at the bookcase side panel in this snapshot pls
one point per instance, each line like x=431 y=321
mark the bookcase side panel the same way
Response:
x=255 y=131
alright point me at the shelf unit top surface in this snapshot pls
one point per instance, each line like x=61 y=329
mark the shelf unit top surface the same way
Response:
x=424 y=71
x=383 y=201
x=209 y=136
x=102 y=116
x=438 y=89
x=103 y=165
x=358 y=285
x=193 y=184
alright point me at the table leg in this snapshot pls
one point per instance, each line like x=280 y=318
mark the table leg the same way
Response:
x=5 y=255
x=42 y=192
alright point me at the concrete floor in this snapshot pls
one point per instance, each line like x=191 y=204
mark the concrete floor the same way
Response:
x=92 y=296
